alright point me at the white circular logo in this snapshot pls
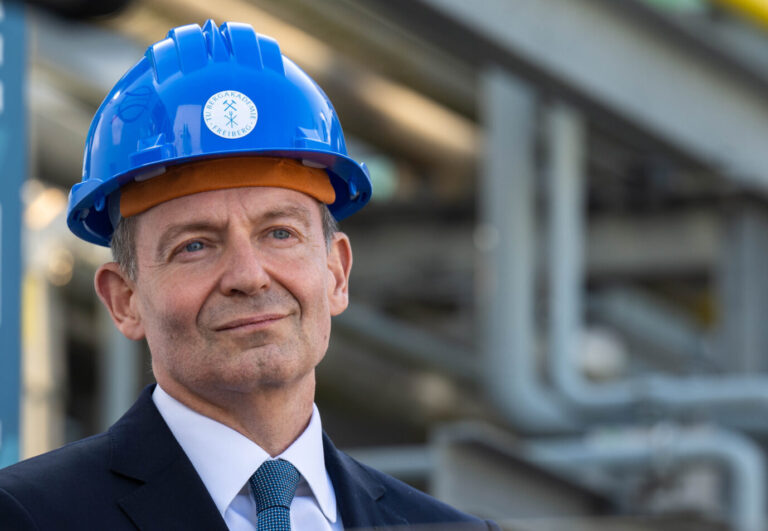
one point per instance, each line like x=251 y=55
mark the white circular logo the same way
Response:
x=230 y=114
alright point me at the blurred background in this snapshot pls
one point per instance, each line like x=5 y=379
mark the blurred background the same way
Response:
x=559 y=312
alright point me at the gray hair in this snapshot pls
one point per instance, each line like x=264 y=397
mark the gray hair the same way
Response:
x=123 y=243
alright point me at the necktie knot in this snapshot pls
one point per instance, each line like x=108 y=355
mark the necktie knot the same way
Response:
x=274 y=484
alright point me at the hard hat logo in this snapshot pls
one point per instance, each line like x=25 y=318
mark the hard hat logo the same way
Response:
x=230 y=114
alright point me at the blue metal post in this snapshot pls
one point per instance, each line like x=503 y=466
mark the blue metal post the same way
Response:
x=13 y=151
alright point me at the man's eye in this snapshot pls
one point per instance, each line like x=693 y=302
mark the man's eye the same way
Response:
x=194 y=246
x=281 y=234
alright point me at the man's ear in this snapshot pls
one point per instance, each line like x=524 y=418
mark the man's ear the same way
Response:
x=339 y=266
x=118 y=294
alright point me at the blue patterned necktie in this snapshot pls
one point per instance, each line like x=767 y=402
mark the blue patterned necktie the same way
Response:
x=273 y=485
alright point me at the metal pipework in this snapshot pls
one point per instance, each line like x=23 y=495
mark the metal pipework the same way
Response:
x=566 y=139
x=410 y=344
x=664 y=328
x=642 y=448
x=505 y=245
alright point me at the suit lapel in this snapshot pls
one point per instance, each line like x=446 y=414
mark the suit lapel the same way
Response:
x=172 y=495
x=360 y=497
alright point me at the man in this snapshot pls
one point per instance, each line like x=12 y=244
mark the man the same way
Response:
x=215 y=169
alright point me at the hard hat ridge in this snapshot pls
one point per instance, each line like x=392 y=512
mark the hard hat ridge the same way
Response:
x=209 y=92
x=191 y=52
x=218 y=49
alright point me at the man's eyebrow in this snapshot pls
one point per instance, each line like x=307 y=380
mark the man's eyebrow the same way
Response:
x=290 y=211
x=172 y=232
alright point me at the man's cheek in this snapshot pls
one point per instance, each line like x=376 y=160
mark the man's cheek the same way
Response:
x=175 y=327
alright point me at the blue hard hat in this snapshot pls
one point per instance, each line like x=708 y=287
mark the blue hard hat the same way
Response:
x=207 y=93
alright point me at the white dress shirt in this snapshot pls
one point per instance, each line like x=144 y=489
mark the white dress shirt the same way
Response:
x=225 y=460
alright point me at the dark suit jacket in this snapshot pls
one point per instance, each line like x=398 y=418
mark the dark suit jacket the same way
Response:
x=136 y=475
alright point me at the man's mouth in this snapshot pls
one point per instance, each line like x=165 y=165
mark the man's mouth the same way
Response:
x=250 y=323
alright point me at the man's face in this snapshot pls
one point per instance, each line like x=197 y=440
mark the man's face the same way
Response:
x=236 y=288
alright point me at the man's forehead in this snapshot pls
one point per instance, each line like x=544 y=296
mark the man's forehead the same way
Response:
x=218 y=205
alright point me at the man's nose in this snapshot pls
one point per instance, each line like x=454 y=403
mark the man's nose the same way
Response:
x=243 y=269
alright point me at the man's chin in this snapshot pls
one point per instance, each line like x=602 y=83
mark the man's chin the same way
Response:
x=261 y=367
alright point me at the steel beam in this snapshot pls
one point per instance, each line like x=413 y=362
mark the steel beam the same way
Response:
x=743 y=291
x=13 y=161
x=649 y=78
x=119 y=371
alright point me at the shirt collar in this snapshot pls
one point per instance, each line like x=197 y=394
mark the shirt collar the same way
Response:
x=225 y=459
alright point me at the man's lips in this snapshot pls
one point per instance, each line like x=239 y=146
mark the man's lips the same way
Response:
x=251 y=322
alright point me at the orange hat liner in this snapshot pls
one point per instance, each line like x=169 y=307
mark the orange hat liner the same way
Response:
x=218 y=174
